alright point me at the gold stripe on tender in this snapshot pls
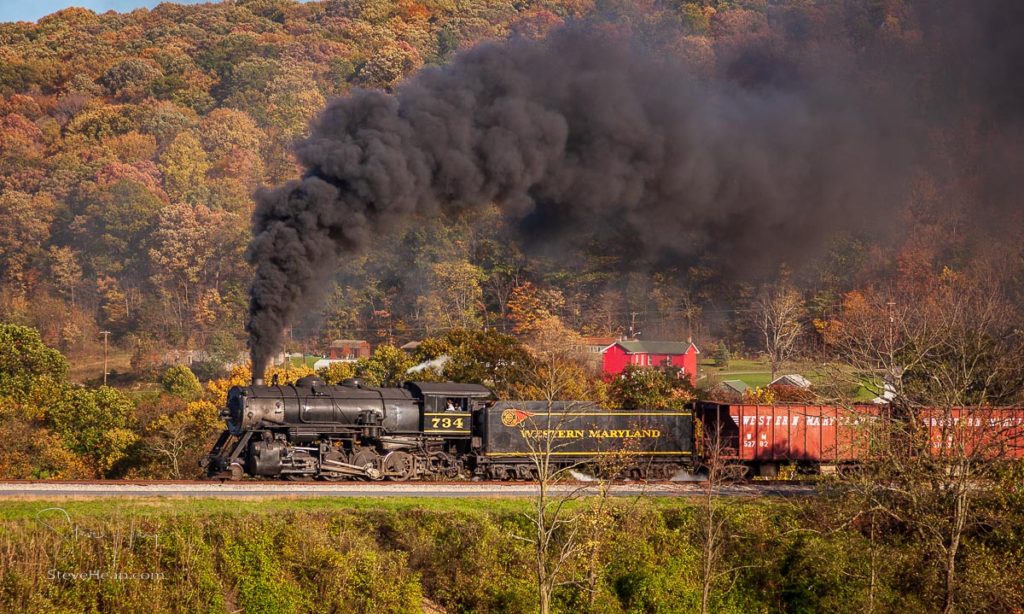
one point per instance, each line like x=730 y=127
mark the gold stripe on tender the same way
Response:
x=607 y=413
x=586 y=453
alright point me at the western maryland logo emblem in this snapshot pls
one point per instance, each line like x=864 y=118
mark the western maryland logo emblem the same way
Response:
x=512 y=417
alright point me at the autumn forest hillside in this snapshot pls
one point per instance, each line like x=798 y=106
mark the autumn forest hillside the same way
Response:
x=131 y=145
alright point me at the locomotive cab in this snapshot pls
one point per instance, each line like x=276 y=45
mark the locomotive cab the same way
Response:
x=437 y=396
x=447 y=407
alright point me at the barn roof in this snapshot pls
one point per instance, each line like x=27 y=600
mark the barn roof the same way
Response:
x=341 y=343
x=656 y=347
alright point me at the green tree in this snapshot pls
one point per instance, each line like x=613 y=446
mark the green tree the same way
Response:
x=646 y=387
x=722 y=355
x=293 y=99
x=184 y=166
x=696 y=18
x=181 y=382
x=486 y=357
x=457 y=296
x=386 y=367
x=387 y=66
x=164 y=120
x=26 y=363
x=95 y=424
x=129 y=79
x=120 y=218
x=100 y=122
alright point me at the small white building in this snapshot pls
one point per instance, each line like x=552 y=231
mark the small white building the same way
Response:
x=793 y=379
x=323 y=363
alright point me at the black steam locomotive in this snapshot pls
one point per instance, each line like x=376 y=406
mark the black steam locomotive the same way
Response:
x=432 y=431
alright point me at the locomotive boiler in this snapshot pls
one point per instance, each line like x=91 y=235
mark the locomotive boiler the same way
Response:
x=312 y=430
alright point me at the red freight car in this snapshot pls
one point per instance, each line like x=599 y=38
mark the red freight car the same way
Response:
x=985 y=433
x=764 y=437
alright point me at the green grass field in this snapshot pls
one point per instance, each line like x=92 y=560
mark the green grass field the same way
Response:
x=161 y=507
x=90 y=368
x=307 y=360
x=753 y=373
x=757 y=373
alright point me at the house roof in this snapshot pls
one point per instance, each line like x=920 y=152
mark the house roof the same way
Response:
x=792 y=379
x=341 y=343
x=412 y=345
x=655 y=347
x=602 y=341
x=734 y=385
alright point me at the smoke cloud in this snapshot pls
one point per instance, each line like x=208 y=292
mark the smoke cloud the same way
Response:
x=436 y=364
x=589 y=133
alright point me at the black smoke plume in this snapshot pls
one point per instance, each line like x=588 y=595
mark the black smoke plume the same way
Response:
x=588 y=132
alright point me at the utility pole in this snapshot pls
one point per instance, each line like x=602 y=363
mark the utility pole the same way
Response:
x=633 y=332
x=891 y=309
x=106 y=335
x=889 y=383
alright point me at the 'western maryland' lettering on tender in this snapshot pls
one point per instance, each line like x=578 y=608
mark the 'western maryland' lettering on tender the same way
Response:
x=583 y=429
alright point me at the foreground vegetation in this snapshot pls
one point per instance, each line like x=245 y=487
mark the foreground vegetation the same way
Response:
x=465 y=556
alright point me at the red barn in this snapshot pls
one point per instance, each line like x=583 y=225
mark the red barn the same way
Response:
x=652 y=354
x=348 y=349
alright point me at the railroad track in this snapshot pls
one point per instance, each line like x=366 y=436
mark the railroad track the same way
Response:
x=267 y=489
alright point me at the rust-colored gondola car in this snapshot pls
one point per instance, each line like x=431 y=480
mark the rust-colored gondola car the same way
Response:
x=985 y=433
x=764 y=437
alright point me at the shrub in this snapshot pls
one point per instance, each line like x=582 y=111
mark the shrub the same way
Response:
x=179 y=381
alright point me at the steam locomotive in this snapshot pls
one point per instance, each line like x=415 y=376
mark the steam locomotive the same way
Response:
x=432 y=430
